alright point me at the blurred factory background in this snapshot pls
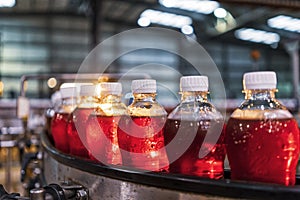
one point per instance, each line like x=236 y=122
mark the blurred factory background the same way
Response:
x=54 y=36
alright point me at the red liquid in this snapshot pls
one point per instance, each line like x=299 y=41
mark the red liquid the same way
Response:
x=76 y=131
x=141 y=142
x=191 y=134
x=59 y=131
x=102 y=140
x=263 y=150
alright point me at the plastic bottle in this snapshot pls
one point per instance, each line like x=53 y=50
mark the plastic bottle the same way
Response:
x=262 y=137
x=61 y=116
x=189 y=124
x=102 y=125
x=140 y=133
x=78 y=120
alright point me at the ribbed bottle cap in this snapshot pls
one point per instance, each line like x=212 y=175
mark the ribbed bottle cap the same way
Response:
x=68 y=92
x=259 y=80
x=143 y=86
x=193 y=83
x=87 y=90
x=111 y=87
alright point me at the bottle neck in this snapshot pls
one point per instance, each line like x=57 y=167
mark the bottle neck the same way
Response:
x=88 y=99
x=189 y=96
x=144 y=96
x=110 y=98
x=69 y=101
x=260 y=94
x=68 y=105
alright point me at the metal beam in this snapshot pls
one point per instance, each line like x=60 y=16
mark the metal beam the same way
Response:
x=96 y=6
x=292 y=48
x=81 y=47
x=41 y=13
x=43 y=29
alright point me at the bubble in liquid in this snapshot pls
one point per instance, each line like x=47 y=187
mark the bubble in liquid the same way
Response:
x=260 y=171
x=259 y=147
x=111 y=130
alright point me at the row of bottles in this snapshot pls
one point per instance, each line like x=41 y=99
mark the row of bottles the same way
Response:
x=261 y=138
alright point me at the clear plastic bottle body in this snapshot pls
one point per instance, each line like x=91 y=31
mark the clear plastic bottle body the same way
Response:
x=101 y=130
x=193 y=120
x=262 y=140
x=77 y=126
x=59 y=123
x=140 y=134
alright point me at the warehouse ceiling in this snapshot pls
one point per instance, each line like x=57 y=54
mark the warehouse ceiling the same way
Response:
x=113 y=16
x=250 y=14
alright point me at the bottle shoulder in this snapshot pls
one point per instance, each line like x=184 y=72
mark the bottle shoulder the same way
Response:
x=65 y=109
x=87 y=104
x=261 y=109
x=146 y=108
x=195 y=111
x=110 y=109
x=267 y=104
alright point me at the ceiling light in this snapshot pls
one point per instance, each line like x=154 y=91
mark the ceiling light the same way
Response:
x=200 y=6
x=52 y=82
x=220 y=13
x=165 y=18
x=187 y=30
x=258 y=36
x=285 y=22
x=1 y=88
x=144 y=22
x=7 y=3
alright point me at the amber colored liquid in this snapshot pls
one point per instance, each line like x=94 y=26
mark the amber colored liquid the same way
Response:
x=141 y=141
x=189 y=163
x=263 y=150
x=76 y=131
x=59 y=131
x=102 y=140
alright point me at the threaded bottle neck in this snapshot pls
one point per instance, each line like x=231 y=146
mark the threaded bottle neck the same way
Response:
x=189 y=96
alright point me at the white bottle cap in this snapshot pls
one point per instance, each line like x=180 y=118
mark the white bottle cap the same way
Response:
x=55 y=97
x=68 y=92
x=259 y=80
x=193 y=83
x=87 y=90
x=143 y=86
x=111 y=88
